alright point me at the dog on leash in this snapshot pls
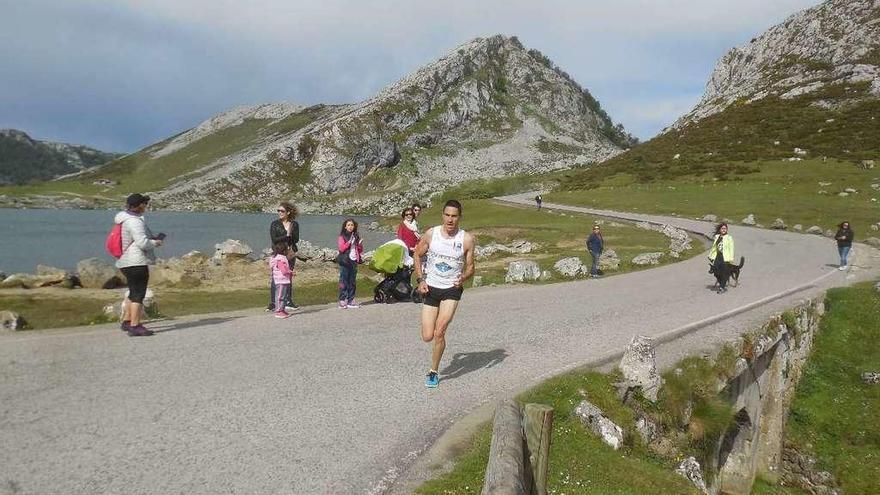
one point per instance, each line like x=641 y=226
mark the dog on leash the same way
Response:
x=733 y=270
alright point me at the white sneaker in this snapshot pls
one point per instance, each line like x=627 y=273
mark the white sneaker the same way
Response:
x=842 y=267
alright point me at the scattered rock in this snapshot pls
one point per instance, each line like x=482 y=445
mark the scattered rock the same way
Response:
x=516 y=247
x=829 y=233
x=874 y=227
x=690 y=469
x=231 y=250
x=195 y=258
x=843 y=194
x=749 y=220
x=850 y=190
x=96 y=274
x=679 y=240
x=522 y=271
x=872 y=241
x=19 y=281
x=647 y=259
x=373 y=225
x=815 y=229
x=571 y=267
x=797 y=227
x=609 y=260
x=308 y=251
x=11 y=322
x=778 y=224
x=639 y=367
x=477 y=281
x=823 y=184
x=867 y=164
x=871 y=377
x=710 y=218
x=592 y=418
x=677 y=156
x=646 y=429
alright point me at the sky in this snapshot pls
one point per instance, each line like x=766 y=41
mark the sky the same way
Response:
x=119 y=75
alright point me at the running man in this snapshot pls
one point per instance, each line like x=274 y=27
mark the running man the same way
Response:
x=450 y=262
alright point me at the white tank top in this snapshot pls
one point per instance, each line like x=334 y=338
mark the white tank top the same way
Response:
x=445 y=258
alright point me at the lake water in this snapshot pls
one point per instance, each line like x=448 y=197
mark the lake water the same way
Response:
x=61 y=238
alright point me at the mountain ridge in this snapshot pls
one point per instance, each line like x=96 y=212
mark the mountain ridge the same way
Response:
x=24 y=159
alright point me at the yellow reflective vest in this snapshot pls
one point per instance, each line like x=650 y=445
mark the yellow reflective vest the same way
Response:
x=725 y=246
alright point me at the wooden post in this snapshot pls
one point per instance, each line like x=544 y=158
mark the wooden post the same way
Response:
x=538 y=426
x=505 y=472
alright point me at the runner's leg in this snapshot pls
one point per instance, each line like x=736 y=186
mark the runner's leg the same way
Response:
x=429 y=319
x=444 y=317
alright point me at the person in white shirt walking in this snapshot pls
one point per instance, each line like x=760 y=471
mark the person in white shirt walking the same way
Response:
x=448 y=252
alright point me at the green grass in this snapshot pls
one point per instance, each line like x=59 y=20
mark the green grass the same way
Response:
x=51 y=309
x=762 y=487
x=834 y=414
x=786 y=190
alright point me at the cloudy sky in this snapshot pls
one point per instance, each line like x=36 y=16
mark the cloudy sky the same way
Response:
x=122 y=74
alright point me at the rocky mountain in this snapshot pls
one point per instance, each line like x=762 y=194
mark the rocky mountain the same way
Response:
x=23 y=159
x=488 y=109
x=836 y=43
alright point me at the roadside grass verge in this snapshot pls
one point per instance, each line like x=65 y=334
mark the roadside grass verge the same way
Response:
x=56 y=308
x=778 y=189
x=558 y=235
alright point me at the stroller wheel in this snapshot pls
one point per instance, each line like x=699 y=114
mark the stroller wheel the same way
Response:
x=379 y=296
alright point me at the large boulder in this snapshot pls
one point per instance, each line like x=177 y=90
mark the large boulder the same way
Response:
x=639 y=367
x=522 y=271
x=518 y=246
x=231 y=250
x=571 y=267
x=815 y=229
x=11 y=322
x=778 y=224
x=690 y=469
x=49 y=275
x=195 y=258
x=798 y=227
x=749 y=220
x=647 y=259
x=609 y=260
x=308 y=252
x=594 y=420
x=96 y=274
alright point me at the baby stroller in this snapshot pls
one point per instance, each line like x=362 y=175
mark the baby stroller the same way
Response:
x=393 y=260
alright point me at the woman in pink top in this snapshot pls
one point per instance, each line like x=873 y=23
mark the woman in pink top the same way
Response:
x=351 y=246
x=281 y=275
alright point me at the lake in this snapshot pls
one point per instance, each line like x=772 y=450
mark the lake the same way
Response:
x=61 y=238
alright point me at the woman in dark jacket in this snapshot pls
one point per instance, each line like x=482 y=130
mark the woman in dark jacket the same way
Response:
x=844 y=237
x=285 y=229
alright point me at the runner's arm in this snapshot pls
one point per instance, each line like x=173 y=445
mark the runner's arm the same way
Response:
x=469 y=265
x=419 y=253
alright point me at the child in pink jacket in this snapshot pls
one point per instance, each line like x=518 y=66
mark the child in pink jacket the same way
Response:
x=281 y=274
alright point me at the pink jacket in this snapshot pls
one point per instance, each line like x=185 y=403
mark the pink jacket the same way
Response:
x=281 y=271
x=345 y=245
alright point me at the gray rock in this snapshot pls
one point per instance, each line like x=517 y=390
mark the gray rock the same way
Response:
x=871 y=377
x=51 y=276
x=639 y=367
x=546 y=275
x=874 y=227
x=778 y=224
x=477 y=281
x=647 y=259
x=19 y=281
x=867 y=164
x=592 y=418
x=710 y=218
x=518 y=246
x=815 y=229
x=690 y=469
x=522 y=271
x=96 y=274
x=829 y=233
x=231 y=249
x=373 y=225
x=571 y=267
x=308 y=252
x=749 y=220
x=843 y=194
x=195 y=258
x=609 y=260
x=11 y=322
x=797 y=227
x=872 y=241
x=646 y=429
x=850 y=190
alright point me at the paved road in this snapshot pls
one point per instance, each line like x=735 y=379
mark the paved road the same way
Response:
x=333 y=401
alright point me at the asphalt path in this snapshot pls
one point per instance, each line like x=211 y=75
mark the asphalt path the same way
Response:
x=334 y=401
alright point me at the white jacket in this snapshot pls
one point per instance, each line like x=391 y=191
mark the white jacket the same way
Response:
x=137 y=241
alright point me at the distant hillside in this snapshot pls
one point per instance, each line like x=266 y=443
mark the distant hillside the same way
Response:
x=24 y=160
x=806 y=88
x=491 y=108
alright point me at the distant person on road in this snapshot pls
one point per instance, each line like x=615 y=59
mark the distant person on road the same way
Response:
x=595 y=245
x=539 y=200
x=138 y=243
x=449 y=254
x=720 y=254
x=282 y=275
x=351 y=248
x=844 y=237
x=284 y=229
x=407 y=231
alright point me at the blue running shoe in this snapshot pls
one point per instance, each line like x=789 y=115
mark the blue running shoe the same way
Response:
x=433 y=379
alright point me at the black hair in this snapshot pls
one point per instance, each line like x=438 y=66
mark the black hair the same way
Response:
x=843 y=222
x=352 y=220
x=416 y=205
x=407 y=209
x=453 y=203
x=718 y=227
x=280 y=247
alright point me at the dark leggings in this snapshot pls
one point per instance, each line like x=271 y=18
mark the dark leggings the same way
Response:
x=722 y=274
x=347 y=277
x=137 y=277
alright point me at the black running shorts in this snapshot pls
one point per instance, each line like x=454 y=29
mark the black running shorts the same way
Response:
x=435 y=295
x=137 y=277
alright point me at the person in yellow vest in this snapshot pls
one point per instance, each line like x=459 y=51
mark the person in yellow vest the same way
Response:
x=720 y=254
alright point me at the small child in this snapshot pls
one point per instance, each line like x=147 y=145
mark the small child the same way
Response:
x=281 y=274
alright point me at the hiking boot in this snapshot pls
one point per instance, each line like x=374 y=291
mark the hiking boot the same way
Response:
x=281 y=314
x=139 y=331
x=125 y=326
x=352 y=305
x=432 y=380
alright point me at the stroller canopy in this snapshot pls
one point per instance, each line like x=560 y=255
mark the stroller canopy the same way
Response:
x=389 y=257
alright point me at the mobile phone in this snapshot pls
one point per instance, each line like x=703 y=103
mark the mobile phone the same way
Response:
x=161 y=236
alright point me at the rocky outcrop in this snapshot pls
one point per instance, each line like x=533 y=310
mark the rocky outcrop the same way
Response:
x=690 y=469
x=96 y=274
x=835 y=42
x=639 y=367
x=594 y=420
x=23 y=159
x=522 y=271
x=571 y=267
x=679 y=240
x=647 y=259
x=231 y=250
x=516 y=247
x=609 y=260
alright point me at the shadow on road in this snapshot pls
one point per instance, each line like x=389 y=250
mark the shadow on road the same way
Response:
x=465 y=362
x=193 y=324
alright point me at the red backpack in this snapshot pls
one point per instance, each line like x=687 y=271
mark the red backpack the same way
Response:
x=114 y=241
